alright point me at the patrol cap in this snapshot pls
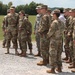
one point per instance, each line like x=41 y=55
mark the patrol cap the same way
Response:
x=12 y=7
x=66 y=10
x=22 y=11
x=44 y=7
x=49 y=10
x=8 y=11
x=56 y=11
x=70 y=10
x=38 y=7
x=73 y=10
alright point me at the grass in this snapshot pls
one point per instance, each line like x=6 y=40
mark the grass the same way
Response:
x=1 y=32
x=31 y=18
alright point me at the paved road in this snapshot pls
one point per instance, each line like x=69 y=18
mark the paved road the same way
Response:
x=15 y=65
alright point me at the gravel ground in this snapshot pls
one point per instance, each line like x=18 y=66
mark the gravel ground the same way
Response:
x=15 y=65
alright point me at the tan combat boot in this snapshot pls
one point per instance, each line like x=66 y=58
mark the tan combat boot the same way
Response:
x=73 y=70
x=72 y=66
x=52 y=70
x=38 y=54
x=23 y=54
x=69 y=60
x=42 y=63
x=59 y=69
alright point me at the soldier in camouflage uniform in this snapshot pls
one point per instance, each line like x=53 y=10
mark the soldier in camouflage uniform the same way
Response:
x=11 y=28
x=73 y=24
x=36 y=27
x=22 y=33
x=71 y=33
x=44 y=42
x=3 y=28
x=55 y=35
x=29 y=40
x=66 y=14
x=68 y=39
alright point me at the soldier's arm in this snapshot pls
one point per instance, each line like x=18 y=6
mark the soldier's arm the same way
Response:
x=45 y=24
x=6 y=22
x=29 y=28
x=35 y=25
x=51 y=30
x=3 y=23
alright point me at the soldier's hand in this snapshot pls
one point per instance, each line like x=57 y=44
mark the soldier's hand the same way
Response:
x=28 y=32
x=5 y=30
x=68 y=34
x=65 y=31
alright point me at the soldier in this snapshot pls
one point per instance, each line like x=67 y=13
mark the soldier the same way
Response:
x=11 y=29
x=71 y=33
x=3 y=28
x=67 y=38
x=44 y=42
x=36 y=27
x=55 y=35
x=73 y=24
x=29 y=40
x=49 y=11
x=23 y=31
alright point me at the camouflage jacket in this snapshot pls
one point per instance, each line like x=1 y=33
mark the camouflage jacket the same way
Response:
x=23 y=25
x=4 y=23
x=44 y=24
x=56 y=30
x=12 y=20
x=37 y=23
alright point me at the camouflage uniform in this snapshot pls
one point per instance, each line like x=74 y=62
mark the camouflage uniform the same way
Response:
x=4 y=33
x=36 y=27
x=11 y=24
x=73 y=35
x=4 y=28
x=29 y=40
x=73 y=62
x=56 y=46
x=68 y=39
x=44 y=42
x=22 y=35
x=72 y=52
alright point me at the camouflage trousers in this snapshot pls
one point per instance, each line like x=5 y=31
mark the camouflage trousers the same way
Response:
x=73 y=52
x=12 y=35
x=37 y=37
x=22 y=41
x=44 y=46
x=4 y=39
x=55 y=50
x=29 y=42
x=68 y=46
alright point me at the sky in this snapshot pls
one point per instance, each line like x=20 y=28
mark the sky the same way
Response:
x=50 y=3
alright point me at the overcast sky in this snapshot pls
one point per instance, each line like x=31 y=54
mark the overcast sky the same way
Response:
x=50 y=3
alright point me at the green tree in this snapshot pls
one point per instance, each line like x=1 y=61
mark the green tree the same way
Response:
x=1 y=4
x=10 y=4
x=4 y=9
x=19 y=8
x=32 y=7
